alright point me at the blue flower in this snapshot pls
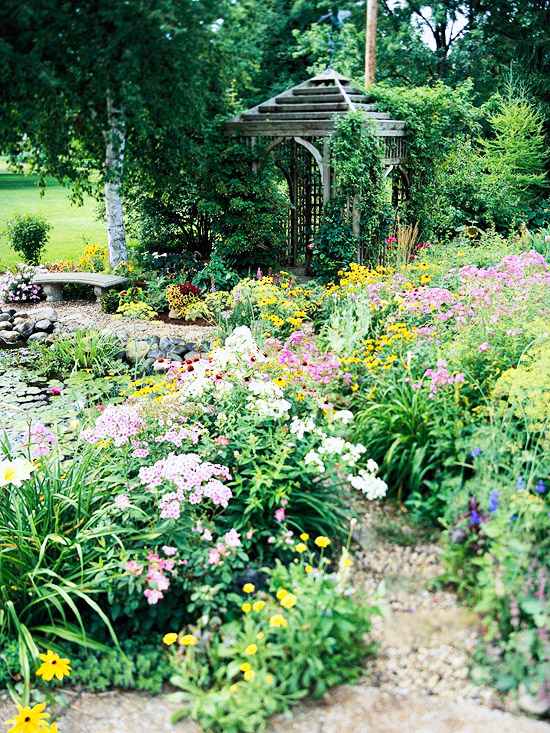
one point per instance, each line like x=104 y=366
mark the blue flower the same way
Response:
x=493 y=501
x=540 y=487
x=475 y=452
x=474 y=518
x=520 y=483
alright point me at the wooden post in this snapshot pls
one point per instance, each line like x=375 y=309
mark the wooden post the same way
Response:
x=370 y=42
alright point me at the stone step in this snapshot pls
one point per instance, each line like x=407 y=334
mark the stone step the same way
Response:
x=337 y=107
x=312 y=98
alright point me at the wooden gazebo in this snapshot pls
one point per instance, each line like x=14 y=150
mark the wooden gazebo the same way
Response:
x=298 y=124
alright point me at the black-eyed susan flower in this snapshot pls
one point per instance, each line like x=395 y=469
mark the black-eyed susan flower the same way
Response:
x=29 y=720
x=53 y=666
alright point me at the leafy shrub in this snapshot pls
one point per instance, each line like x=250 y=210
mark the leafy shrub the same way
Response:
x=515 y=160
x=89 y=350
x=137 y=310
x=155 y=292
x=110 y=300
x=216 y=274
x=303 y=635
x=412 y=437
x=335 y=246
x=18 y=286
x=496 y=550
x=28 y=235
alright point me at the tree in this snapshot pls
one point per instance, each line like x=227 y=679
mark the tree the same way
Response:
x=96 y=83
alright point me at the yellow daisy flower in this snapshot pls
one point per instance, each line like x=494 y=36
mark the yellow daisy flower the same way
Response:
x=322 y=541
x=53 y=666
x=29 y=720
x=188 y=640
x=289 y=600
x=278 y=621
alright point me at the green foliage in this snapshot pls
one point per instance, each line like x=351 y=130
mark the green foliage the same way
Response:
x=335 y=246
x=515 y=157
x=86 y=350
x=412 y=438
x=497 y=556
x=356 y=157
x=216 y=274
x=137 y=665
x=250 y=210
x=435 y=117
x=57 y=548
x=110 y=300
x=345 y=323
x=320 y=644
x=28 y=235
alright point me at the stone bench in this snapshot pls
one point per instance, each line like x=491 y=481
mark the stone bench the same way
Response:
x=53 y=282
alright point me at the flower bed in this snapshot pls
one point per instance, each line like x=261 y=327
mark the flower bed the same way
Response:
x=208 y=503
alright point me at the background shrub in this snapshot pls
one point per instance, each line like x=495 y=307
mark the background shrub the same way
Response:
x=28 y=235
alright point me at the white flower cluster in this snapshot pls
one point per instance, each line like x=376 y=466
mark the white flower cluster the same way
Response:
x=368 y=482
x=268 y=399
x=348 y=453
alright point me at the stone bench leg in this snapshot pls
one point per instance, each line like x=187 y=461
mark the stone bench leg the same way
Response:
x=54 y=293
x=98 y=292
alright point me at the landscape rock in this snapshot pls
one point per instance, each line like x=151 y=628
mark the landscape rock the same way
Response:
x=44 y=324
x=48 y=313
x=25 y=328
x=9 y=337
x=136 y=350
x=38 y=337
x=5 y=317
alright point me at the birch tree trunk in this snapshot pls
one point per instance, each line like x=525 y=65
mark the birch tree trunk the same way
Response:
x=115 y=140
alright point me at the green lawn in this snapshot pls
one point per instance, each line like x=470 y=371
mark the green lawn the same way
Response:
x=72 y=226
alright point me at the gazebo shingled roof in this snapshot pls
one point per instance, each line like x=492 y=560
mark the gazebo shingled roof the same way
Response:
x=311 y=109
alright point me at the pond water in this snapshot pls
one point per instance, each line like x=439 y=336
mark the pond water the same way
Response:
x=27 y=397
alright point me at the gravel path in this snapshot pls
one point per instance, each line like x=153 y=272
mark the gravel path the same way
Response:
x=418 y=682
x=83 y=314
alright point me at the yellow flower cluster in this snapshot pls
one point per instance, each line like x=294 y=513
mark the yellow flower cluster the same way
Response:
x=94 y=258
x=357 y=276
x=184 y=639
x=376 y=349
x=283 y=304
